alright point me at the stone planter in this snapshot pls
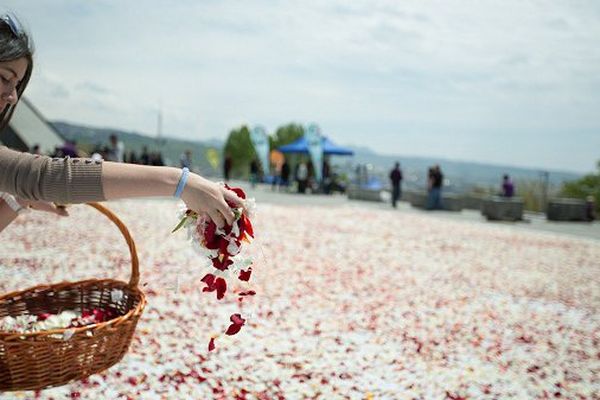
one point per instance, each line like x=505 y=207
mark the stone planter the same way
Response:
x=502 y=209
x=566 y=210
x=472 y=202
x=355 y=192
x=450 y=202
x=416 y=199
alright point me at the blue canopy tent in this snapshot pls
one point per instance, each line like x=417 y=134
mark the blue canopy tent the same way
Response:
x=329 y=148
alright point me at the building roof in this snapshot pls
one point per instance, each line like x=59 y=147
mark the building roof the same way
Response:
x=28 y=127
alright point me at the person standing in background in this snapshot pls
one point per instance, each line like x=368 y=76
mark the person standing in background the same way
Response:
x=396 y=179
x=145 y=156
x=436 y=179
x=253 y=172
x=590 y=208
x=302 y=176
x=285 y=175
x=116 y=151
x=508 y=187
x=227 y=167
x=185 y=159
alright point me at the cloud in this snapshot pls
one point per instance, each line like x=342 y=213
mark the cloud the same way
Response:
x=92 y=87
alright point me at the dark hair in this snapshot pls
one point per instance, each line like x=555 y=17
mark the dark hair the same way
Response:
x=14 y=44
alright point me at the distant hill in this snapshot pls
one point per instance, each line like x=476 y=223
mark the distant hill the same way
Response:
x=88 y=137
x=462 y=175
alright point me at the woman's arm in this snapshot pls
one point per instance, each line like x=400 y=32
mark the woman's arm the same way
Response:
x=78 y=180
x=121 y=180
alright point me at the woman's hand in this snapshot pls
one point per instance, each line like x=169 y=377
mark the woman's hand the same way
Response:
x=204 y=196
x=43 y=206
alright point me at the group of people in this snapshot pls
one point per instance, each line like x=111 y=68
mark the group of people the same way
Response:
x=303 y=175
x=116 y=152
x=281 y=180
x=34 y=181
x=435 y=181
x=113 y=151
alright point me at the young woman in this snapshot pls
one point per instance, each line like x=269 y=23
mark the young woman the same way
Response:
x=28 y=180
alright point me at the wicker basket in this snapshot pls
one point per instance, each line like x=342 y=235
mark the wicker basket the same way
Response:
x=44 y=359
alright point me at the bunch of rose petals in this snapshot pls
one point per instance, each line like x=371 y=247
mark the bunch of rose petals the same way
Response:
x=48 y=321
x=220 y=245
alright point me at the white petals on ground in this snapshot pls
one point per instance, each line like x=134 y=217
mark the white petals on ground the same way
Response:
x=353 y=304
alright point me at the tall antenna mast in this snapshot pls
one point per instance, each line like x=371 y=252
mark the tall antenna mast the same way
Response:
x=159 y=123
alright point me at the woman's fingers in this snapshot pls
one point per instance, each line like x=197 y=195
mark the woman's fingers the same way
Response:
x=62 y=210
x=227 y=213
x=232 y=197
x=48 y=207
x=217 y=218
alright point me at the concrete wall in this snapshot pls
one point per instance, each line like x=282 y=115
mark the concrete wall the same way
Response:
x=355 y=192
x=502 y=209
x=418 y=199
x=566 y=210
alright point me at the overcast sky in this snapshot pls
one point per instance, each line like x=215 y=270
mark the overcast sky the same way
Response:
x=512 y=82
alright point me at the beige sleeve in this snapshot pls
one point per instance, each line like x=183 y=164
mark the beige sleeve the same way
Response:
x=61 y=180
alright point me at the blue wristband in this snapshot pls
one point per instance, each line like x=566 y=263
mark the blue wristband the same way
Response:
x=182 y=181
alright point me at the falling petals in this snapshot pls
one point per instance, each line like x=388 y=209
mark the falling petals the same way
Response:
x=245 y=275
x=236 y=324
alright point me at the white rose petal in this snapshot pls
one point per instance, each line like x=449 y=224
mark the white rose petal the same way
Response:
x=68 y=334
x=116 y=295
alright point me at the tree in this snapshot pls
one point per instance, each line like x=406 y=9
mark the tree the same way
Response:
x=239 y=147
x=286 y=134
x=589 y=185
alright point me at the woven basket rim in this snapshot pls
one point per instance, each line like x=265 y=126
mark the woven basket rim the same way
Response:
x=134 y=311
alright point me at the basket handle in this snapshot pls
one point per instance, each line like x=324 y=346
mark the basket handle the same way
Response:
x=135 y=271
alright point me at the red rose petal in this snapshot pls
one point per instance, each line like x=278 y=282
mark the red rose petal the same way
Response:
x=245 y=275
x=221 y=286
x=237 y=323
x=209 y=279
x=211 y=344
x=222 y=265
x=43 y=316
x=237 y=191
x=247 y=225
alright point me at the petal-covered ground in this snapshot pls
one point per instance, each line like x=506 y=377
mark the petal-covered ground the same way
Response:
x=351 y=303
